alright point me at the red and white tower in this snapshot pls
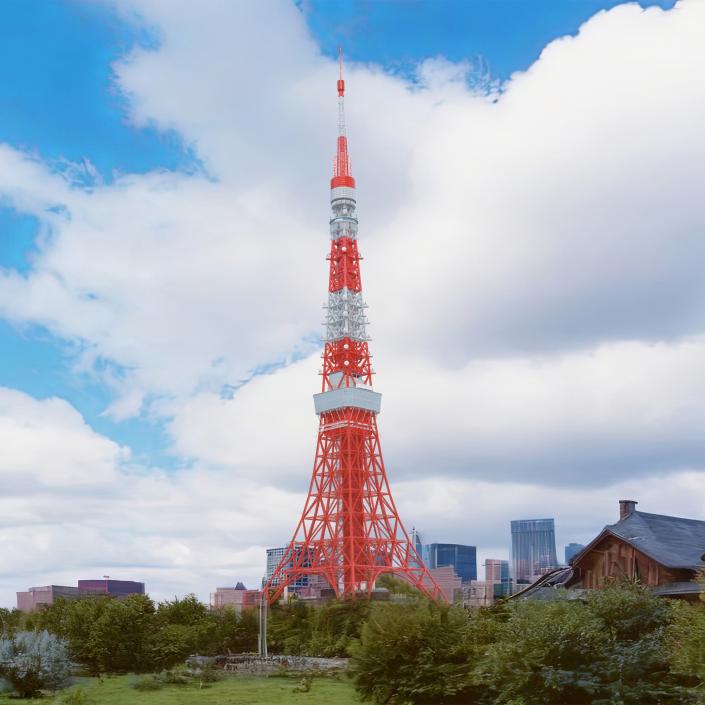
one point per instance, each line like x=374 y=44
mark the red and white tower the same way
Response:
x=350 y=532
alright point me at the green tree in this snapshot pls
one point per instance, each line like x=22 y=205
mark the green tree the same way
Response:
x=75 y=621
x=11 y=621
x=421 y=653
x=289 y=627
x=121 y=636
x=637 y=668
x=609 y=649
x=236 y=633
x=686 y=640
x=545 y=653
x=335 y=626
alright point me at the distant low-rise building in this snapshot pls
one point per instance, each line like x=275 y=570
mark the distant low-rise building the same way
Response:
x=497 y=572
x=114 y=588
x=238 y=597
x=478 y=593
x=448 y=581
x=37 y=597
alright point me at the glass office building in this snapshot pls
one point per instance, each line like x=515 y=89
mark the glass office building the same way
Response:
x=533 y=549
x=571 y=550
x=274 y=555
x=462 y=558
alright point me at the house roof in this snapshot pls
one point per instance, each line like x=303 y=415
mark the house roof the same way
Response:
x=673 y=542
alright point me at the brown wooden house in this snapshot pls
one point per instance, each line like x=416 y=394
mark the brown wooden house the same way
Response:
x=660 y=551
x=663 y=552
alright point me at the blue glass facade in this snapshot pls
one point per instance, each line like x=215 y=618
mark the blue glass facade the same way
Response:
x=533 y=548
x=462 y=558
x=274 y=556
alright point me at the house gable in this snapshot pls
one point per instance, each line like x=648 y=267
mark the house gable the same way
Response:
x=610 y=558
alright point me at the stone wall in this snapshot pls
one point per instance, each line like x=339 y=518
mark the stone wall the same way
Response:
x=254 y=665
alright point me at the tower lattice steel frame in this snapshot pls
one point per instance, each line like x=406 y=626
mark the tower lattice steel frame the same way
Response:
x=350 y=532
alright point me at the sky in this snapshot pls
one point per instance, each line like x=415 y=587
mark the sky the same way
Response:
x=530 y=177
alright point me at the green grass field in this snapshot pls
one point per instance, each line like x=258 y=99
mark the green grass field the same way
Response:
x=232 y=690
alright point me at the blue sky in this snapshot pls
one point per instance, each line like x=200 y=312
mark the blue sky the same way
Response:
x=508 y=34
x=59 y=101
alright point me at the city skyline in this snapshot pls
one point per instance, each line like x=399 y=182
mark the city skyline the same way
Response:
x=529 y=189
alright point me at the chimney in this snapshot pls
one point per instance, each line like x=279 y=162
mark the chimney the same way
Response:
x=626 y=507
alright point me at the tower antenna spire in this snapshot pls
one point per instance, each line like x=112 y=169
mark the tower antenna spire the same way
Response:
x=341 y=83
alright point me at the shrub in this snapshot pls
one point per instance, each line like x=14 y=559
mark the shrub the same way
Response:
x=209 y=674
x=174 y=677
x=146 y=683
x=609 y=648
x=76 y=697
x=32 y=661
x=420 y=653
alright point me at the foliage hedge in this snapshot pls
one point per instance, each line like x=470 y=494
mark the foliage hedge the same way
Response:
x=618 y=646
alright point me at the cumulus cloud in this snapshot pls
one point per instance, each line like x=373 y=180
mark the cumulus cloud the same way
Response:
x=194 y=529
x=578 y=418
x=74 y=504
x=559 y=215
x=532 y=269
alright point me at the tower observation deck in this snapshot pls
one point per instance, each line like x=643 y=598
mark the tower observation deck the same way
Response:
x=349 y=532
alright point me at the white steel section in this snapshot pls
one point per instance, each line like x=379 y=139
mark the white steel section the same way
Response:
x=343 y=227
x=346 y=315
x=341 y=115
x=357 y=397
x=344 y=192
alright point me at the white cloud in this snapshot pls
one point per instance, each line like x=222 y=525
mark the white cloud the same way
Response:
x=49 y=443
x=200 y=528
x=74 y=505
x=561 y=215
x=579 y=418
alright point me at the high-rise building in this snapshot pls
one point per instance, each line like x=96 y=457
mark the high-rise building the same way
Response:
x=533 y=549
x=416 y=541
x=462 y=558
x=572 y=549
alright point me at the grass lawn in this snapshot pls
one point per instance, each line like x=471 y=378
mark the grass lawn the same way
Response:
x=232 y=690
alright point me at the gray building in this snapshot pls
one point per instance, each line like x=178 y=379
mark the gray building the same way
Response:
x=533 y=549
x=572 y=549
x=462 y=558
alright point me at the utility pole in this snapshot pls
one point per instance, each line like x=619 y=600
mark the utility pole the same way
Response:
x=263 y=604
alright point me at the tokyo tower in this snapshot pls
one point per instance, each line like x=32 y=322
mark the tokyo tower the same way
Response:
x=349 y=532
